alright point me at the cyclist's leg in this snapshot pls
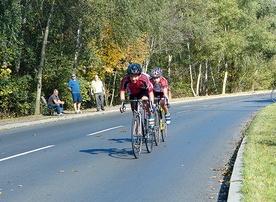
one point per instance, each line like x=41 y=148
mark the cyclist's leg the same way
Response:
x=145 y=96
x=166 y=111
x=133 y=105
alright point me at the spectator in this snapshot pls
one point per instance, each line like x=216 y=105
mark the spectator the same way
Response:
x=73 y=87
x=97 y=89
x=56 y=103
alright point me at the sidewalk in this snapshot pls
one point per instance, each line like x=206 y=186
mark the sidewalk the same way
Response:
x=40 y=119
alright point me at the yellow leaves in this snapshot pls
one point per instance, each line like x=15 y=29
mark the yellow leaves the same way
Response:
x=138 y=52
x=113 y=56
x=4 y=72
x=249 y=177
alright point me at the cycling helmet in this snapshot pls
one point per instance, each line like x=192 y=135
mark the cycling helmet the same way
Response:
x=134 y=68
x=156 y=72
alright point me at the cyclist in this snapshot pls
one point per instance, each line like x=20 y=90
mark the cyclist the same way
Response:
x=139 y=87
x=161 y=90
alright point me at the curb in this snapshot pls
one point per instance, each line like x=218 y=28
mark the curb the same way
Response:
x=9 y=126
x=234 y=193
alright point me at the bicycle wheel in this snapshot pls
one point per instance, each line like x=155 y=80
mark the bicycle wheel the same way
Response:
x=149 y=139
x=136 y=136
x=164 y=127
x=156 y=128
x=273 y=95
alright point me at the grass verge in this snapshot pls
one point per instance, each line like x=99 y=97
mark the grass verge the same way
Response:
x=259 y=159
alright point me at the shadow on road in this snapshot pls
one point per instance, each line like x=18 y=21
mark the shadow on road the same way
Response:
x=260 y=101
x=125 y=153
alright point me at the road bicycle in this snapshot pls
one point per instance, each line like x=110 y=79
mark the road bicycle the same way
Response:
x=273 y=95
x=162 y=127
x=140 y=129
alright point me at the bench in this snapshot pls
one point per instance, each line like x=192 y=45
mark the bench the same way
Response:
x=48 y=109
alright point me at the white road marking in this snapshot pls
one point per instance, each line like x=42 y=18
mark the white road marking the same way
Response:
x=103 y=130
x=24 y=153
x=180 y=112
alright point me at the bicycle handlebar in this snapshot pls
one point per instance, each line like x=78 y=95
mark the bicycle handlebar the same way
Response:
x=163 y=98
x=123 y=107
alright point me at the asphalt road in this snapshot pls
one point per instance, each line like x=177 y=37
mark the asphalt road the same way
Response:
x=90 y=158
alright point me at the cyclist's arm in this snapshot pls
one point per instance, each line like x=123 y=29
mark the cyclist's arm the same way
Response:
x=165 y=91
x=151 y=97
x=122 y=95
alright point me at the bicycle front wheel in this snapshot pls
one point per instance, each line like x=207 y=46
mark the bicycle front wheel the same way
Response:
x=148 y=136
x=273 y=95
x=149 y=141
x=164 y=128
x=136 y=136
x=157 y=128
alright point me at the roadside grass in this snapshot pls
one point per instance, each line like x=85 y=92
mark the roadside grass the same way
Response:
x=259 y=159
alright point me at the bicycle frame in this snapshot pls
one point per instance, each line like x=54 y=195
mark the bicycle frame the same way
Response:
x=161 y=115
x=140 y=130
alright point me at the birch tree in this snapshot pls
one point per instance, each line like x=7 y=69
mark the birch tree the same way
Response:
x=42 y=60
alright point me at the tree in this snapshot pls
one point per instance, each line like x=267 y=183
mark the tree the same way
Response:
x=42 y=59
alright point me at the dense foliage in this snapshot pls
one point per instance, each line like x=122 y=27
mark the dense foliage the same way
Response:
x=203 y=46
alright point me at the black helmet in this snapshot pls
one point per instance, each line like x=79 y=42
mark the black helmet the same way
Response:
x=134 y=68
x=156 y=72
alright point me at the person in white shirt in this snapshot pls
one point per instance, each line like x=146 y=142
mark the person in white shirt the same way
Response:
x=97 y=89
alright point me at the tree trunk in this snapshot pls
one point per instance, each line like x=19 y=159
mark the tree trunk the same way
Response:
x=218 y=73
x=169 y=75
x=22 y=35
x=255 y=78
x=225 y=79
x=77 y=48
x=113 y=88
x=213 y=79
x=42 y=59
x=206 y=78
x=191 y=72
x=198 y=79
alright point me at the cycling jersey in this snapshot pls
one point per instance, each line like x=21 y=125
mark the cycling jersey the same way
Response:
x=142 y=84
x=158 y=87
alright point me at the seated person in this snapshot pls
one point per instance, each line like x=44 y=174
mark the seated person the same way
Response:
x=56 y=103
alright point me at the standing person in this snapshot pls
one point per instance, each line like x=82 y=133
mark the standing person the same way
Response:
x=139 y=87
x=97 y=89
x=56 y=103
x=73 y=87
x=161 y=90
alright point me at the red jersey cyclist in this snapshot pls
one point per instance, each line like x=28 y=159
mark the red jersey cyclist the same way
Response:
x=161 y=90
x=138 y=86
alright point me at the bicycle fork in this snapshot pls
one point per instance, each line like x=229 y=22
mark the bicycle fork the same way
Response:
x=161 y=121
